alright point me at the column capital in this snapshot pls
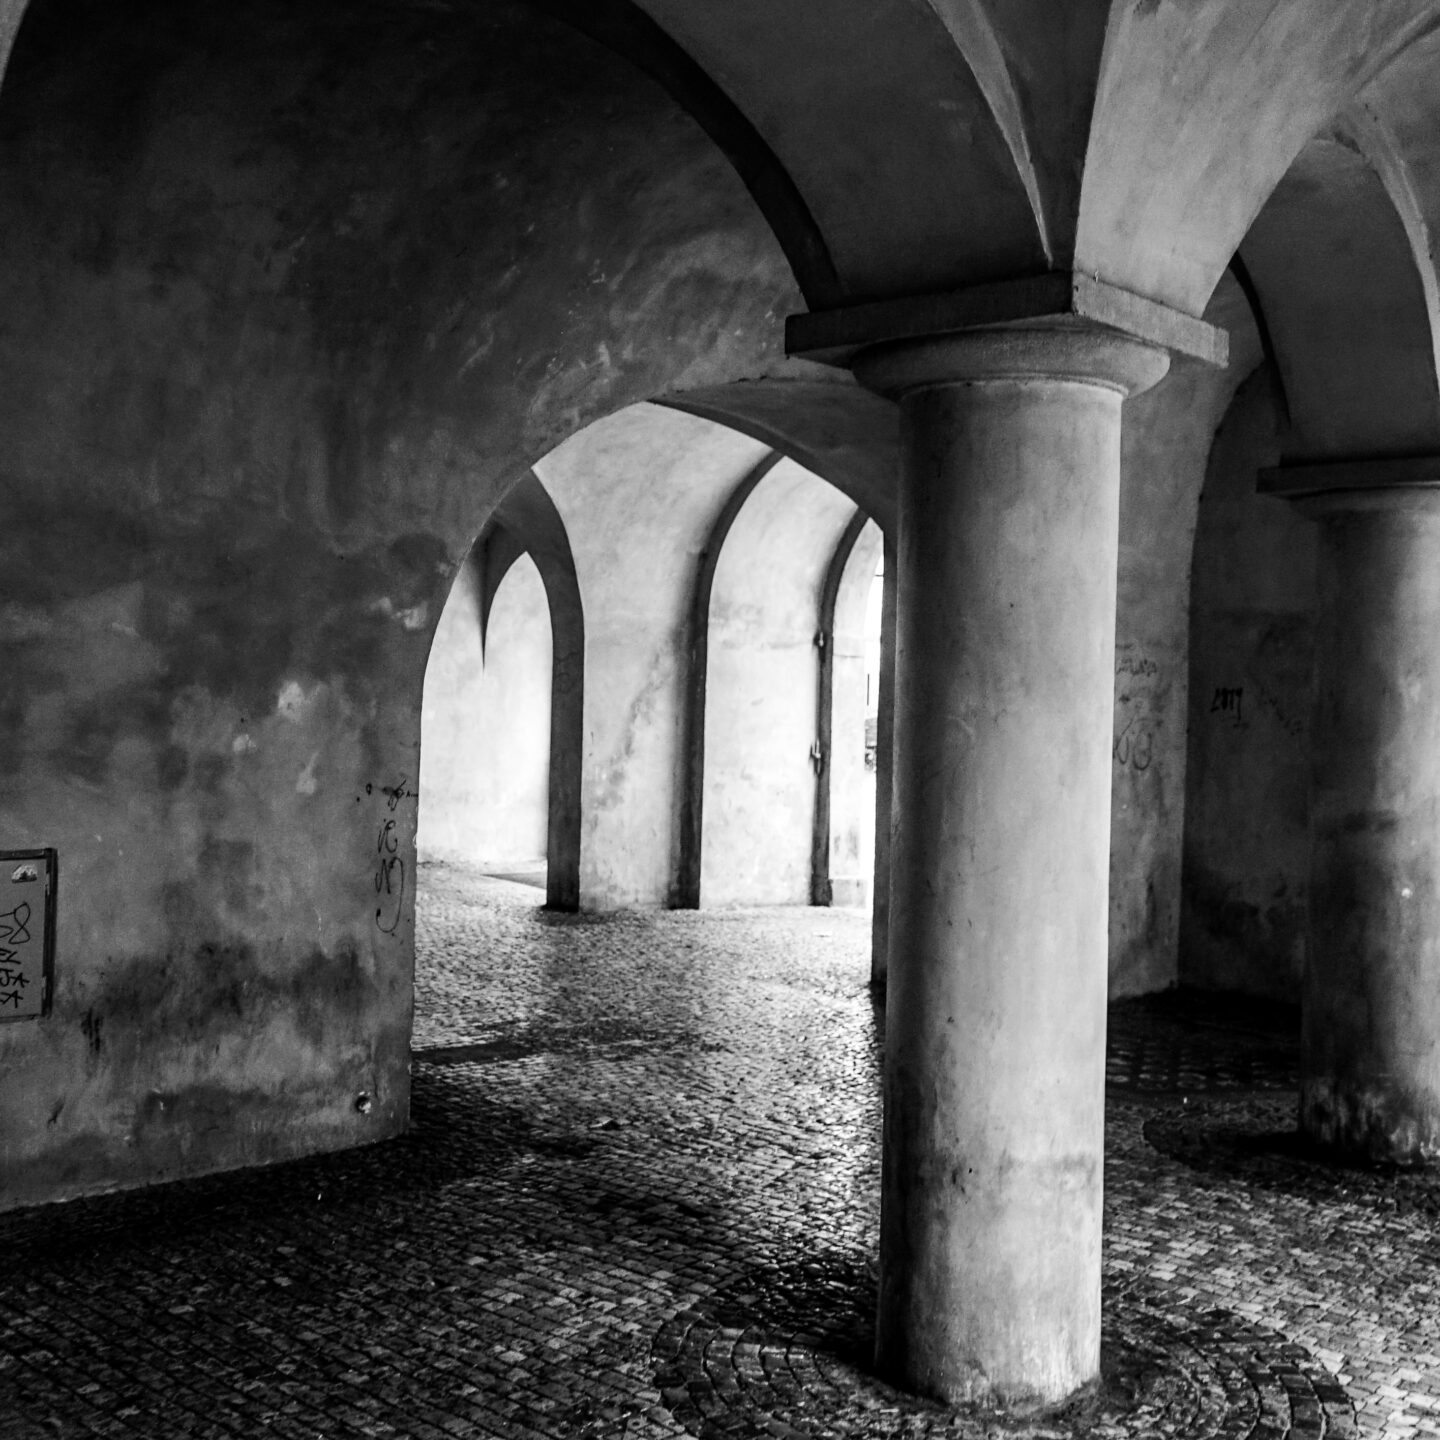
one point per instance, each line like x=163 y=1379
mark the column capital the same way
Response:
x=1408 y=483
x=1057 y=352
x=1058 y=300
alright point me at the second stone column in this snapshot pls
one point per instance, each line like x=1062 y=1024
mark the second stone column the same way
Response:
x=1370 y=1082
x=995 y=1039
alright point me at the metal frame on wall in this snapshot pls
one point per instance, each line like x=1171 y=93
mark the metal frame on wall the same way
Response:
x=27 y=958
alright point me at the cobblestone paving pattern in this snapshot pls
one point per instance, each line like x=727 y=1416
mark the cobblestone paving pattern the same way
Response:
x=639 y=1199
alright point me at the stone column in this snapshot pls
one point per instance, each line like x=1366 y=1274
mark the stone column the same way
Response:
x=1370 y=1069
x=995 y=1019
x=995 y=1040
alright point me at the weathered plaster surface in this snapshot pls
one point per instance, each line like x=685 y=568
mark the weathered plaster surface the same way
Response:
x=1247 y=848
x=1165 y=441
x=287 y=298
x=222 y=991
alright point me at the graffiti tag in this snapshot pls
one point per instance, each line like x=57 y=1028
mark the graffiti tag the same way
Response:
x=14 y=932
x=390 y=874
x=1134 y=745
x=1229 y=700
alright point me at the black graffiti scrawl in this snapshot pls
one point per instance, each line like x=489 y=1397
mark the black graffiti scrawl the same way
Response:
x=26 y=910
x=390 y=875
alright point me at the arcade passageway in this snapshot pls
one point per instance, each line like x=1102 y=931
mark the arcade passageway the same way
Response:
x=469 y=433
x=640 y=1198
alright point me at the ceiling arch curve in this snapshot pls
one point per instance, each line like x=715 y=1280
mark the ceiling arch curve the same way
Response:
x=881 y=121
x=628 y=30
x=1201 y=110
x=1347 y=307
x=1036 y=64
x=839 y=431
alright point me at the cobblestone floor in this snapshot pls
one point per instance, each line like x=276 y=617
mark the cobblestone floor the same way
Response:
x=639 y=1199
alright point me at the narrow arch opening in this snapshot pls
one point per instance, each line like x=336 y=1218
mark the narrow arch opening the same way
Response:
x=855 y=734
x=874 y=609
x=785 y=800
x=485 y=721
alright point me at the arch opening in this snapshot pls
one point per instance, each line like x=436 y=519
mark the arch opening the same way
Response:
x=785 y=692
x=503 y=708
x=850 y=619
x=485 y=725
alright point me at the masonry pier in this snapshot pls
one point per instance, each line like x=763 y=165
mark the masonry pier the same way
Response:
x=1370 y=1083
x=990 y=1231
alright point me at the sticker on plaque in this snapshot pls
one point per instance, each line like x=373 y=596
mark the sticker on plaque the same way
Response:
x=27 y=932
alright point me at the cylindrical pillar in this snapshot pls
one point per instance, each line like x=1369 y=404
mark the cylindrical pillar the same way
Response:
x=995 y=1038
x=1371 y=1045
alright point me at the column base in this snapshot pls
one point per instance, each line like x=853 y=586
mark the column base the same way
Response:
x=972 y=1388
x=1376 y=1124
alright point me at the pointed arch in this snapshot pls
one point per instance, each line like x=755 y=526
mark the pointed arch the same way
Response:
x=765 y=653
x=526 y=522
x=692 y=801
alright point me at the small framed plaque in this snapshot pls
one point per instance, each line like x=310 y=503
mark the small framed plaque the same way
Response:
x=27 y=932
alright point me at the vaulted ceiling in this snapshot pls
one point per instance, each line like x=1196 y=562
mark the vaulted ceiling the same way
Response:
x=905 y=147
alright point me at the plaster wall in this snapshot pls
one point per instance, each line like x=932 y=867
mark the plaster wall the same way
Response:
x=762 y=691
x=1165 y=441
x=636 y=561
x=1247 y=845
x=288 y=296
x=485 y=726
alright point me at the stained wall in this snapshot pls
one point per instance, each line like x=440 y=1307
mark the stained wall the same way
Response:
x=288 y=297
x=1247 y=849
x=1166 y=439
